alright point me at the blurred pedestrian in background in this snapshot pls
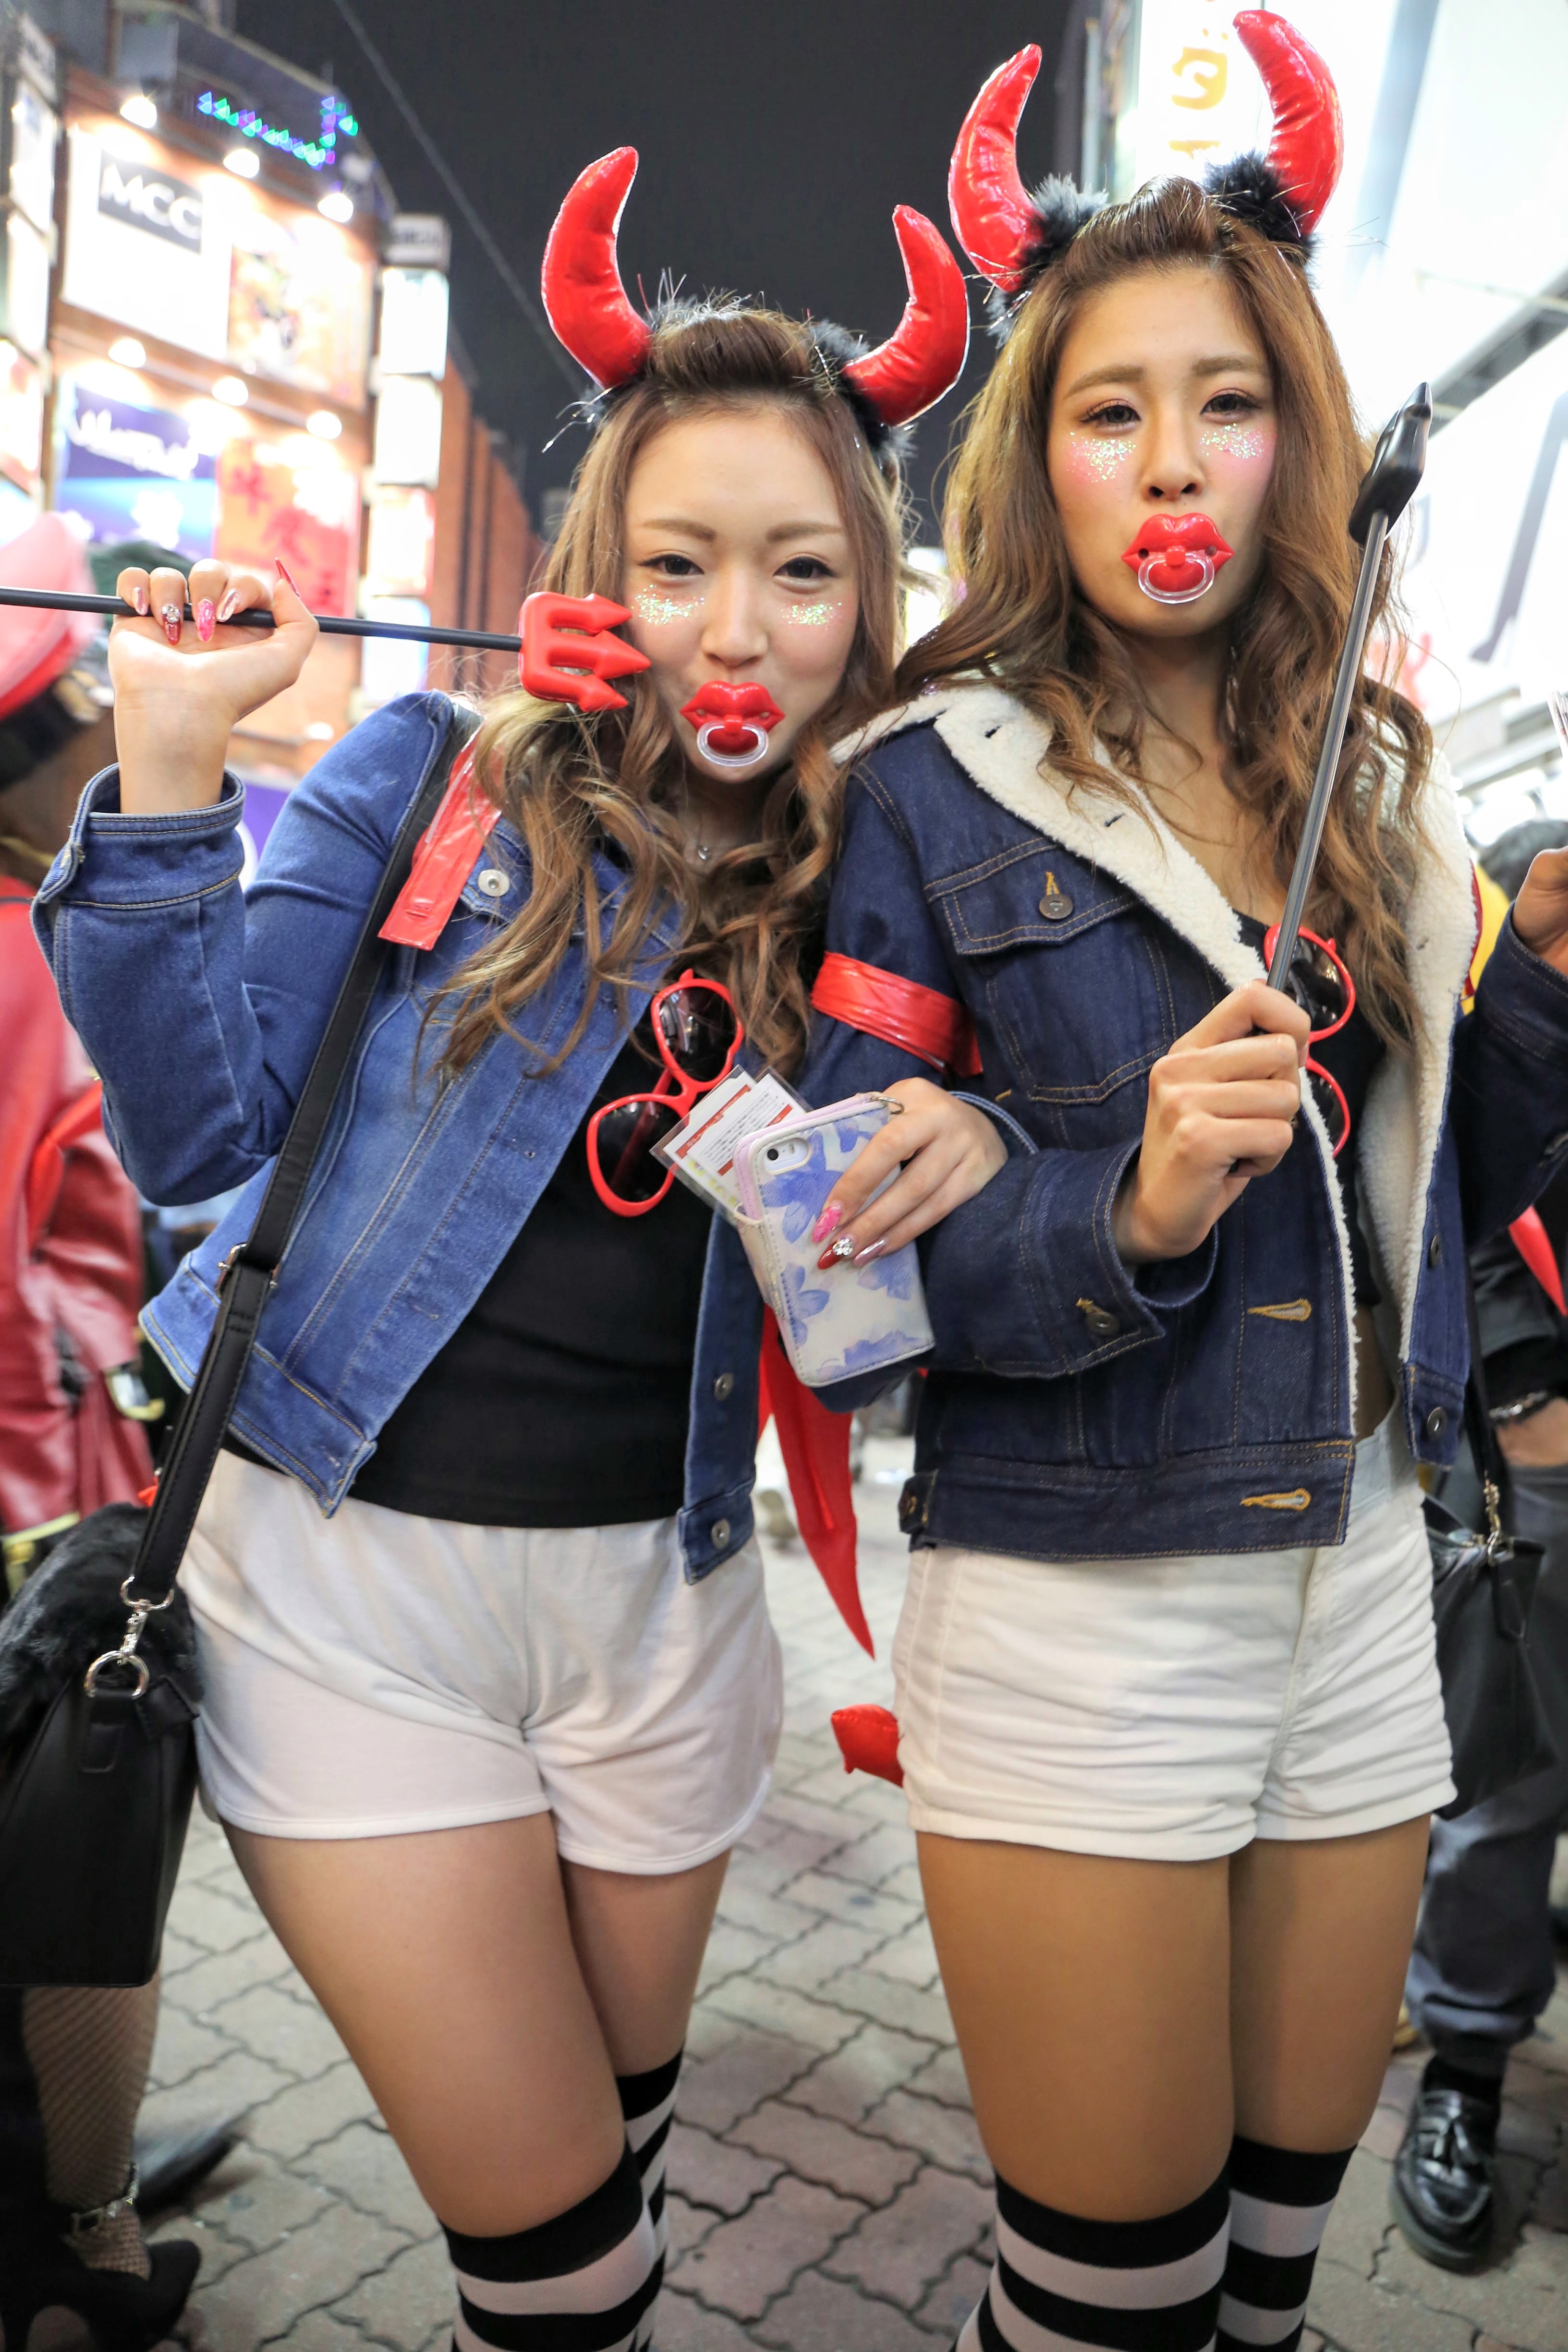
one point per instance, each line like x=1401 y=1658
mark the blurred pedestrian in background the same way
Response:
x=1484 y=1967
x=73 y=1421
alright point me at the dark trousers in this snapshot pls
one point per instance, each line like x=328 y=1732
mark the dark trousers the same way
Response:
x=1483 y=1968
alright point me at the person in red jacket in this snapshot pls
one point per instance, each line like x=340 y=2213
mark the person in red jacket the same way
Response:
x=73 y=1436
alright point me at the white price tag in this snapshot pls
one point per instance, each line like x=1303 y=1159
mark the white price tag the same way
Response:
x=701 y=1150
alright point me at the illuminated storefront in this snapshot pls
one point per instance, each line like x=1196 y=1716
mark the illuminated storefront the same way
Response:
x=211 y=345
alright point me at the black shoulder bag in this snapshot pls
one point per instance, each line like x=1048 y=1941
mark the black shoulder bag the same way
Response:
x=1483 y=1587
x=98 y=1759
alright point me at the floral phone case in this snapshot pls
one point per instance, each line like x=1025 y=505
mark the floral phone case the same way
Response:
x=842 y=1319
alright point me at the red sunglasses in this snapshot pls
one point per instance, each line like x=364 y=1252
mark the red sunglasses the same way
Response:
x=697 y=1033
x=1319 y=983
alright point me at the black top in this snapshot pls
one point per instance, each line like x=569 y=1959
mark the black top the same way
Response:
x=1350 y=1055
x=561 y=1400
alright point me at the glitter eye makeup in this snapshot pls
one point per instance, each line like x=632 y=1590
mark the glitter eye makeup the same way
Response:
x=1093 y=460
x=654 y=608
x=811 y=616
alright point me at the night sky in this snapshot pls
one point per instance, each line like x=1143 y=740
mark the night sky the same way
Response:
x=774 y=142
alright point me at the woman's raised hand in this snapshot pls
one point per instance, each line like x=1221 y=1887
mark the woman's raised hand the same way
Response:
x=1221 y=1106
x=949 y=1150
x=1540 y=909
x=181 y=687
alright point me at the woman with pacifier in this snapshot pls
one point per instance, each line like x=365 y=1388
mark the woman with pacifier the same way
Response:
x=490 y=1689
x=1171 y=1725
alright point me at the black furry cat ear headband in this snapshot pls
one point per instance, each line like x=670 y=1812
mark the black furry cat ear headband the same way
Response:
x=1013 y=236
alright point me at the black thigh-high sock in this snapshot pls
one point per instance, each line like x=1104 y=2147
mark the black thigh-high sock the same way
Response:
x=1279 y=2208
x=1138 y=2286
x=584 y=2282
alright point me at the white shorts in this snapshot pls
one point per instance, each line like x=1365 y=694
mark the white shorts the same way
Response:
x=377 y=1674
x=1176 y=1709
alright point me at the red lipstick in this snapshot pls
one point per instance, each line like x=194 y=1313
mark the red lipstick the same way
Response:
x=1177 y=557
x=733 y=722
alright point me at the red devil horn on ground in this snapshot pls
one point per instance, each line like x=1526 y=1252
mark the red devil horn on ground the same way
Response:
x=1306 y=151
x=584 y=298
x=992 y=215
x=924 y=356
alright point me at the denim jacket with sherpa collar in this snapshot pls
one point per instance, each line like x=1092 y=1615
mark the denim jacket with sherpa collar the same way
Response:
x=202 y=1009
x=1076 y=1406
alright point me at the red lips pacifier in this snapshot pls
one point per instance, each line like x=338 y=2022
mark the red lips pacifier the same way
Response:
x=733 y=722
x=1177 y=557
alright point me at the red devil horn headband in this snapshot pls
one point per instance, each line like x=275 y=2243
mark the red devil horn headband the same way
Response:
x=586 y=302
x=1010 y=235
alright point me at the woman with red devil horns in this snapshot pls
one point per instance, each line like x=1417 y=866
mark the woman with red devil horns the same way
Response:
x=490 y=1686
x=1171 y=1722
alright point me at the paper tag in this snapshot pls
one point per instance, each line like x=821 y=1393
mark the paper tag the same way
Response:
x=701 y=1150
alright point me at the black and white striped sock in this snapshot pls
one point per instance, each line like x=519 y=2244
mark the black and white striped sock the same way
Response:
x=647 y=2103
x=1279 y=2208
x=586 y=2281
x=1137 y=2286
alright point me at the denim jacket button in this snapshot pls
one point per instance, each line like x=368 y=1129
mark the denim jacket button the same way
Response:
x=1099 y=1319
x=1436 y=1422
x=724 y=1387
x=494 y=883
x=1435 y=1250
x=1056 y=906
x=720 y=1531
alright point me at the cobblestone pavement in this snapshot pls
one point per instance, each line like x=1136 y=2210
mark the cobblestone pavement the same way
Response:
x=828 y=2191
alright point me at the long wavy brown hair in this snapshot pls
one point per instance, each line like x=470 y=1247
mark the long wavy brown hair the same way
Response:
x=1021 y=620
x=574 y=785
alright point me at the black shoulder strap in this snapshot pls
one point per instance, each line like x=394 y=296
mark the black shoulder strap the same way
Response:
x=246 y=1282
x=1492 y=1467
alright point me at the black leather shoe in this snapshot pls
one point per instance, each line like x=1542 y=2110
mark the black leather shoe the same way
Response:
x=1441 y=2188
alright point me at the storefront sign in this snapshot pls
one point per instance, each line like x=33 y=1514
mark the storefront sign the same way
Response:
x=402 y=542
x=412 y=322
x=284 y=499
x=146 y=246
x=299 y=300
x=132 y=472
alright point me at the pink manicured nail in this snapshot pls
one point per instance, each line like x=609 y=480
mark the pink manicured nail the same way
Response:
x=871 y=1250
x=830 y=1220
x=206 y=617
x=143 y=603
x=171 y=616
x=285 y=573
x=231 y=599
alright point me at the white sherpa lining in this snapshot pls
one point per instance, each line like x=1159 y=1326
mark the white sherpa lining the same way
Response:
x=1006 y=751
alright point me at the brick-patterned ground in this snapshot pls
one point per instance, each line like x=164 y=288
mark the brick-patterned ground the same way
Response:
x=829 y=2193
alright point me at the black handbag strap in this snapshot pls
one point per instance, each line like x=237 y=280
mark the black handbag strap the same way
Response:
x=247 y=1278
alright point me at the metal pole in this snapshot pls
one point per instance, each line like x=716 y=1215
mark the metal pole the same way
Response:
x=1329 y=757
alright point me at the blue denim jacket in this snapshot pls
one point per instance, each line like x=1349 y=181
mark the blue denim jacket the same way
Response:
x=1076 y=1407
x=202 y=1009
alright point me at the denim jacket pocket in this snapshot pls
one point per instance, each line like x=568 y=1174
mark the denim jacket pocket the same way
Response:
x=1065 y=971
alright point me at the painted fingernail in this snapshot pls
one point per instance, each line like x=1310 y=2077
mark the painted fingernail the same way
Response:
x=871 y=1250
x=284 y=573
x=143 y=602
x=226 y=608
x=836 y=1251
x=171 y=616
x=830 y=1220
x=206 y=617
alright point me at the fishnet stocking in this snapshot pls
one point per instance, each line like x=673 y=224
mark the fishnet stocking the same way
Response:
x=89 y=2051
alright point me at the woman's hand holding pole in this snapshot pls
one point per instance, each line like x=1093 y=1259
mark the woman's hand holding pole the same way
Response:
x=181 y=688
x=1222 y=1105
